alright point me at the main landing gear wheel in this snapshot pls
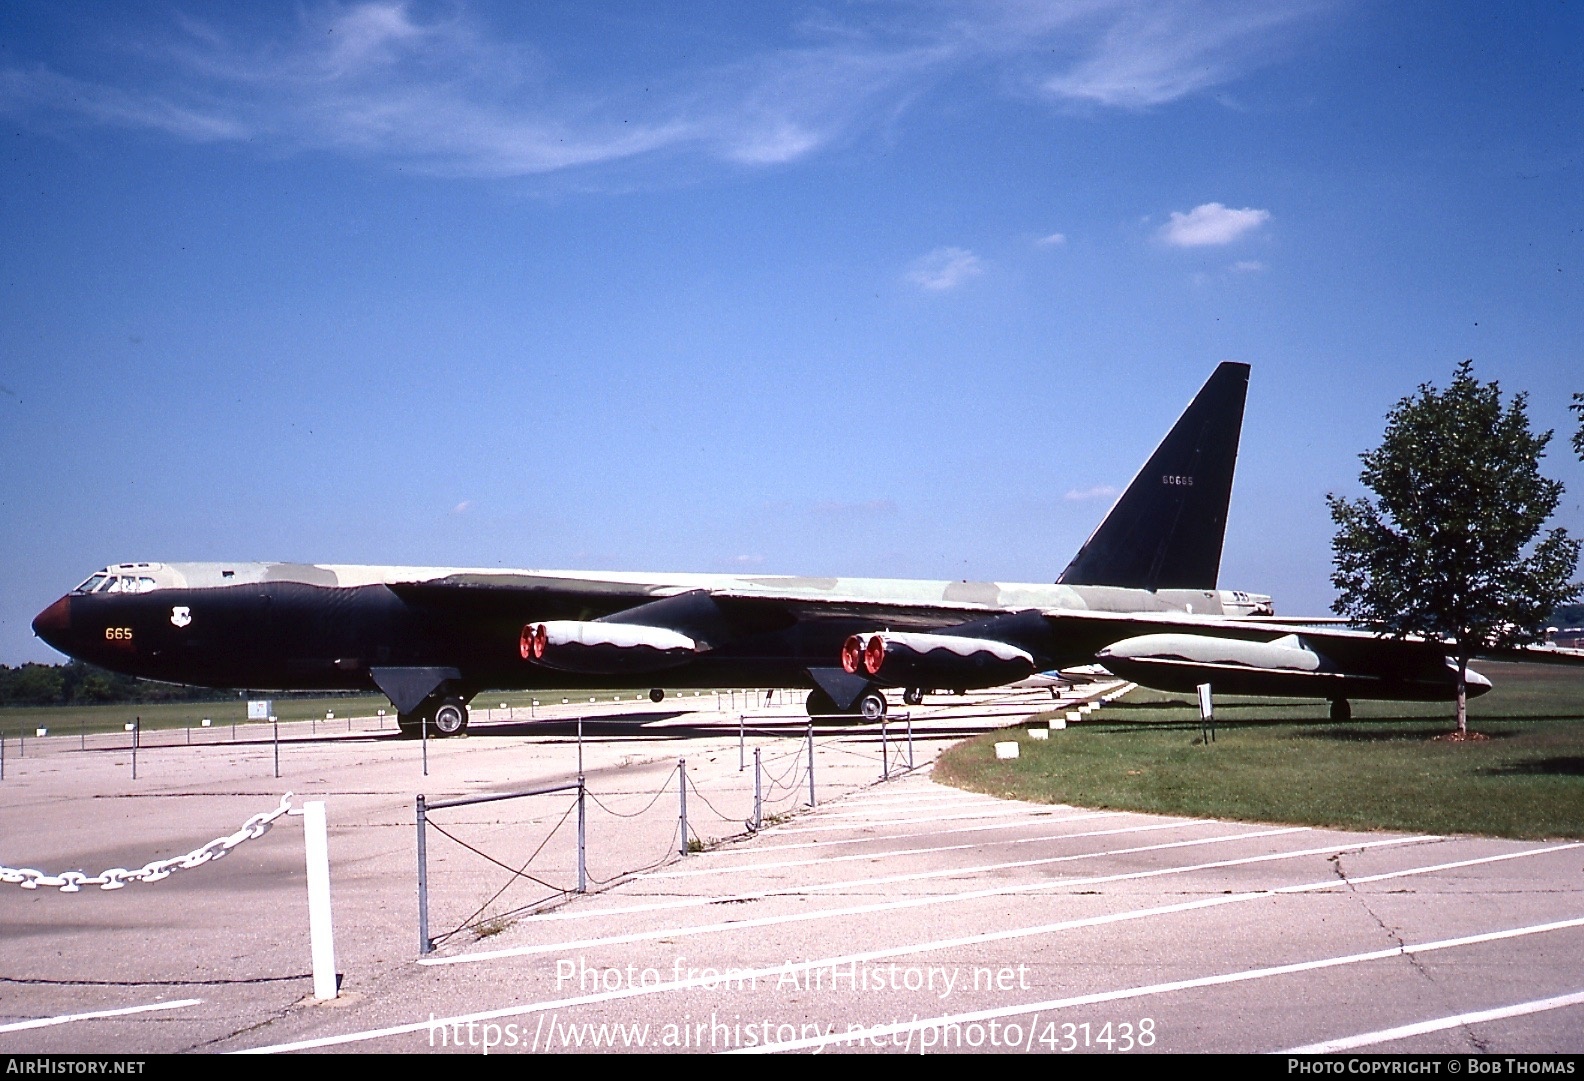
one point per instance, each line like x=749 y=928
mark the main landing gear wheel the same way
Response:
x=871 y=705
x=1341 y=710
x=410 y=725
x=913 y=696
x=657 y=695
x=450 y=717
x=820 y=704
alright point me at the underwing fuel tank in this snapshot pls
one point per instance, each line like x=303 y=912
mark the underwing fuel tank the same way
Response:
x=595 y=648
x=1287 y=666
x=896 y=659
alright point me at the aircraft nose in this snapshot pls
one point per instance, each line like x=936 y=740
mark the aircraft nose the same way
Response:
x=54 y=623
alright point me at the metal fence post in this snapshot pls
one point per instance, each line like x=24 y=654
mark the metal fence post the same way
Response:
x=909 y=718
x=582 y=838
x=811 y=760
x=758 y=819
x=424 y=945
x=885 y=752
x=742 y=737
x=682 y=847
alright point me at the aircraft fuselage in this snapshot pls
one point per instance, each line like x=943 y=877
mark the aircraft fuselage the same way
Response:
x=274 y=626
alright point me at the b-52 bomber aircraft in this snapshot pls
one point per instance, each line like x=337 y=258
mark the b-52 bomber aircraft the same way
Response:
x=1140 y=598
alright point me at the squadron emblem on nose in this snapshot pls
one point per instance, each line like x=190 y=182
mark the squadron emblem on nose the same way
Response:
x=181 y=616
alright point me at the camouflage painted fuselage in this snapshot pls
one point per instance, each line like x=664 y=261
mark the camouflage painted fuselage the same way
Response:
x=286 y=626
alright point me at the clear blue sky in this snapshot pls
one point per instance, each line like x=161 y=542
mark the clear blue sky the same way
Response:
x=880 y=289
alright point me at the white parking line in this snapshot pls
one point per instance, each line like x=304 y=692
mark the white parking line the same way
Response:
x=951 y=796
x=882 y=1031
x=713 y=978
x=879 y=838
x=867 y=811
x=926 y=901
x=1386 y=1035
x=889 y=853
x=46 y=1022
x=804 y=889
x=869 y=821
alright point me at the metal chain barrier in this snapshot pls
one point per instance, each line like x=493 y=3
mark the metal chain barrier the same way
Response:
x=777 y=782
x=117 y=877
x=665 y=786
x=670 y=854
x=694 y=788
x=516 y=873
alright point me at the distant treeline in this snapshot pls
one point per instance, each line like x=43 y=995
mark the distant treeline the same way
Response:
x=77 y=684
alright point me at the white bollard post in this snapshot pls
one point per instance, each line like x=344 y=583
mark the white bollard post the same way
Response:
x=321 y=932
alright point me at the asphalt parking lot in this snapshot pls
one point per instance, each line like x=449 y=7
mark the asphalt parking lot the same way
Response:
x=895 y=915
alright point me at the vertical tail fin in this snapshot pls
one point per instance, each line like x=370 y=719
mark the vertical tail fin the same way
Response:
x=1165 y=532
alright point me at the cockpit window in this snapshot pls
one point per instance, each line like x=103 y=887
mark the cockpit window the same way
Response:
x=91 y=584
x=115 y=585
x=145 y=584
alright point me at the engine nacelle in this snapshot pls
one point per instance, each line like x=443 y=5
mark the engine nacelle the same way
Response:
x=921 y=659
x=595 y=648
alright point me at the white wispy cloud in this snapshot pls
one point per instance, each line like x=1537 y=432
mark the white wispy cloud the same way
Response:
x=1209 y=224
x=944 y=268
x=441 y=89
x=1248 y=266
x=1150 y=54
x=1054 y=240
x=1099 y=491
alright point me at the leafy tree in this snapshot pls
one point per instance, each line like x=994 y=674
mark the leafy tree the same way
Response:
x=31 y=685
x=1578 y=436
x=1447 y=548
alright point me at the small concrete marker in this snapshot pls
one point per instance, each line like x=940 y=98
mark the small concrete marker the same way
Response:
x=1007 y=750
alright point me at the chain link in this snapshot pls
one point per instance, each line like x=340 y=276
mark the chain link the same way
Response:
x=117 y=877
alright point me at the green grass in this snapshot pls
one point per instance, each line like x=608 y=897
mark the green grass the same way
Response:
x=70 y=720
x=1278 y=760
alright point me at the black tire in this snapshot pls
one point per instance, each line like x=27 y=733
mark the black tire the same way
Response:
x=913 y=696
x=410 y=725
x=820 y=704
x=450 y=718
x=871 y=705
x=656 y=695
x=1341 y=710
